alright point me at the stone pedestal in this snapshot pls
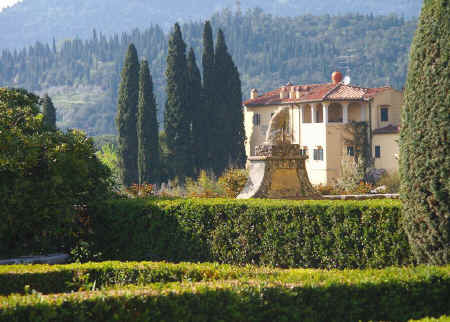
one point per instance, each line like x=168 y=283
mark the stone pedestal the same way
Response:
x=278 y=172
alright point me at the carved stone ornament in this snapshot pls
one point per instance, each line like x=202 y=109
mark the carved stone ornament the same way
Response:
x=277 y=171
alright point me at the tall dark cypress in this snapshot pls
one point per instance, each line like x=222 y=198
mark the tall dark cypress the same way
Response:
x=229 y=113
x=147 y=129
x=237 y=150
x=221 y=132
x=198 y=120
x=127 y=118
x=176 y=115
x=207 y=97
x=49 y=111
x=425 y=138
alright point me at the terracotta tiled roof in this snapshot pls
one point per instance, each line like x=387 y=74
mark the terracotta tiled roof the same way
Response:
x=316 y=93
x=346 y=92
x=268 y=98
x=390 y=129
x=371 y=92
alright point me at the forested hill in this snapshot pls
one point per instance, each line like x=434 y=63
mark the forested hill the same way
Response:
x=40 y=20
x=82 y=76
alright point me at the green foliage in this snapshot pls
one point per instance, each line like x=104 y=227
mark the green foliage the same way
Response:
x=360 y=141
x=443 y=318
x=353 y=234
x=43 y=176
x=205 y=186
x=424 y=137
x=198 y=118
x=177 y=117
x=49 y=112
x=208 y=102
x=109 y=157
x=127 y=118
x=394 y=294
x=147 y=129
x=233 y=181
x=67 y=278
x=227 y=122
x=102 y=140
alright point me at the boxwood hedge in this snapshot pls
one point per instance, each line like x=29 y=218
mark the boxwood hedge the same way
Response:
x=392 y=294
x=310 y=234
x=48 y=279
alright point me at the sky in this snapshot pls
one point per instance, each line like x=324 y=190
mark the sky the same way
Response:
x=7 y=3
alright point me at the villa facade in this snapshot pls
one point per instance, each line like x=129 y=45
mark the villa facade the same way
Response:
x=319 y=119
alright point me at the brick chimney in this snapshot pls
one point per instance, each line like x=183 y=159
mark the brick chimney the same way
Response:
x=284 y=92
x=292 y=93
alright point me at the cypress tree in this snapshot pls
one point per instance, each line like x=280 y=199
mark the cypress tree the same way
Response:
x=237 y=150
x=207 y=97
x=230 y=134
x=198 y=121
x=424 y=137
x=126 y=120
x=176 y=115
x=49 y=112
x=147 y=129
x=221 y=132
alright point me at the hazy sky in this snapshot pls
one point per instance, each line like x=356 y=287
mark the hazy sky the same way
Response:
x=6 y=3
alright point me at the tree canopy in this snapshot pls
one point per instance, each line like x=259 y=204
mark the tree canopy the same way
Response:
x=44 y=175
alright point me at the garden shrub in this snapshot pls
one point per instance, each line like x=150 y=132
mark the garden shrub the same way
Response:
x=233 y=181
x=316 y=234
x=204 y=187
x=46 y=178
x=373 y=295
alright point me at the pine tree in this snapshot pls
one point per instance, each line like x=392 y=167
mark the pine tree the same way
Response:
x=198 y=121
x=424 y=138
x=207 y=97
x=176 y=116
x=127 y=118
x=49 y=112
x=147 y=129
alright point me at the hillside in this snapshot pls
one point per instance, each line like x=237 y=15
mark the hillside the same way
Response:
x=82 y=76
x=41 y=20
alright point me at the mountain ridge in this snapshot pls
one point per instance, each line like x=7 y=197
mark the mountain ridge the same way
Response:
x=82 y=76
x=41 y=20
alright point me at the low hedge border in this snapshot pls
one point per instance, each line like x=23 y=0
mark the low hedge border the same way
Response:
x=74 y=277
x=386 y=295
x=309 y=234
x=66 y=278
x=428 y=319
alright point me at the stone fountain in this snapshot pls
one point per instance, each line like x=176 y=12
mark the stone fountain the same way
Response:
x=277 y=171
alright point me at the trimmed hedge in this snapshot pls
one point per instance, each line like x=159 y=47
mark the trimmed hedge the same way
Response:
x=310 y=234
x=48 y=279
x=441 y=319
x=392 y=294
x=74 y=277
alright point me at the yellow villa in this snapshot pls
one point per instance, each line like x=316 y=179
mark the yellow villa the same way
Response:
x=319 y=118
